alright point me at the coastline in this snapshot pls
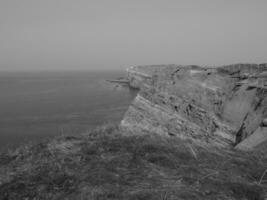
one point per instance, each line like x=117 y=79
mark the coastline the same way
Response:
x=129 y=161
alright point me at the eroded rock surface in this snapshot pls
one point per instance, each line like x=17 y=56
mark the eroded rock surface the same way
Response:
x=212 y=105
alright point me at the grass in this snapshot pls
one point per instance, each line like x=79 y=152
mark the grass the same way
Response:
x=104 y=164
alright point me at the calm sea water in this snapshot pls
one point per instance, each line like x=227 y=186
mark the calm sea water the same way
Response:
x=39 y=105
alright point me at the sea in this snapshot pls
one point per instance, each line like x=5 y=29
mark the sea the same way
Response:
x=35 y=105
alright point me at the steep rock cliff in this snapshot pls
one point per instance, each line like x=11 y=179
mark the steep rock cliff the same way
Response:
x=218 y=106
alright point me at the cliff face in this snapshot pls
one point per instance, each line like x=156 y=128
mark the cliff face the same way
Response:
x=218 y=106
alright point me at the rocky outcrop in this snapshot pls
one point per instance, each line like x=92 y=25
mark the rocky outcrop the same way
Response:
x=216 y=106
x=254 y=140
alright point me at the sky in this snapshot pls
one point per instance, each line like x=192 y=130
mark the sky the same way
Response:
x=115 y=34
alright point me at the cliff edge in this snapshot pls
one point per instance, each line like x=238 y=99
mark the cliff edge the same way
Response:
x=222 y=106
x=189 y=113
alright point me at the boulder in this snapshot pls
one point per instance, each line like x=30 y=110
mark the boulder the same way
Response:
x=254 y=140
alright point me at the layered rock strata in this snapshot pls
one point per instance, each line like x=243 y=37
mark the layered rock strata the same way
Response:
x=216 y=106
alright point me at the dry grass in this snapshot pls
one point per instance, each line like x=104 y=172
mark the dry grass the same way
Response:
x=103 y=164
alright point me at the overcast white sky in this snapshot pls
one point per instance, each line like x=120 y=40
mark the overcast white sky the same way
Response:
x=107 y=34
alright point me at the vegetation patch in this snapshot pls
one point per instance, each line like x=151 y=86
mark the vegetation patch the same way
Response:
x=104 y=164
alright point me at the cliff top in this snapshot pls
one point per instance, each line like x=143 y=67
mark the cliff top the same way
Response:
x=104 y=164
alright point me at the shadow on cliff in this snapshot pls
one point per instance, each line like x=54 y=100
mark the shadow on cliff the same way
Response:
x=103 y=164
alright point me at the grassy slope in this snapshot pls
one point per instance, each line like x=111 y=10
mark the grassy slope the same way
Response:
x=104 y=164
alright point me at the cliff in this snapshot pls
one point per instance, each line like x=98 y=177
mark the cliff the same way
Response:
x=194 y=111
x=221 y=106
